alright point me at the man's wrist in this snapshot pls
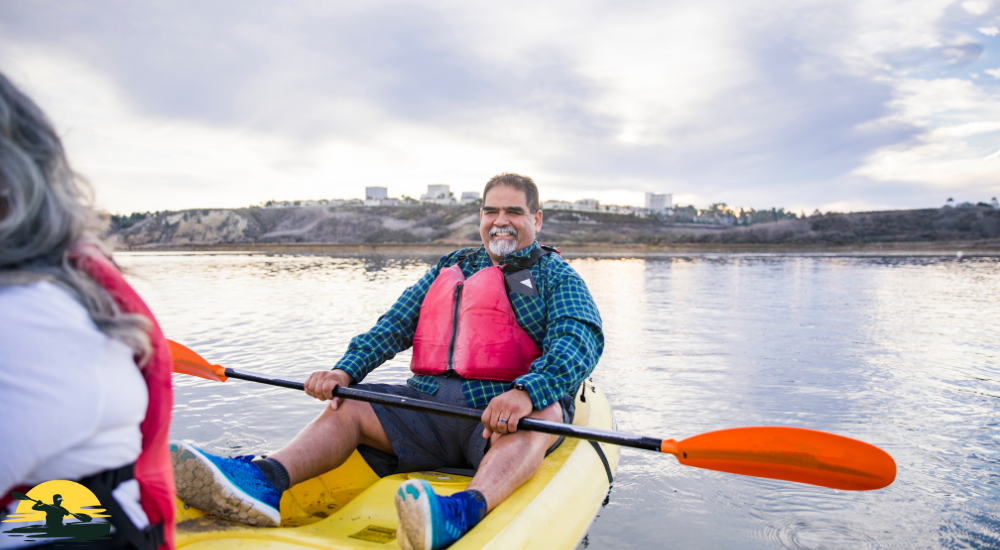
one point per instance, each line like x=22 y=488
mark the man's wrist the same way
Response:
x=350 y=377
x=534 y=385
x=353 y=365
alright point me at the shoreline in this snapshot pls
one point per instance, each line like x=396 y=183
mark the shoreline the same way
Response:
x=951 y=248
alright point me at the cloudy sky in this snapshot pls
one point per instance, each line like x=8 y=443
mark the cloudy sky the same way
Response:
x=832 y=104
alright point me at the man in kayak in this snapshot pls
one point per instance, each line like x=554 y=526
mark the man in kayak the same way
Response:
x=509 y=328
x=54 y=513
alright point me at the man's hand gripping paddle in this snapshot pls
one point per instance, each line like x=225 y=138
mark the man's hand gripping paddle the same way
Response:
x=790 y=454
x=21 y=496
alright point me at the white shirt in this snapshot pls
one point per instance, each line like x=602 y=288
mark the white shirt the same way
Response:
x=71 y=398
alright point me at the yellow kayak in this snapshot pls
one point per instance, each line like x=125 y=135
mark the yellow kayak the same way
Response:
x=351 y=507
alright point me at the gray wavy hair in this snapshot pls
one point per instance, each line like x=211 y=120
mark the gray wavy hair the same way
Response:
x=46 y=210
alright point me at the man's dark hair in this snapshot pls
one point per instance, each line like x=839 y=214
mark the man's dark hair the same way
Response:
x=523 y=184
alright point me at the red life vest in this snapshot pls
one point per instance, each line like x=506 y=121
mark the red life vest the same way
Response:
x=152 y=469
x=468 y=326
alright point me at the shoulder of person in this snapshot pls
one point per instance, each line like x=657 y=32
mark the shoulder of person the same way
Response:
x=556 y=266
x=453 y=258
x=42 y=323
x=43 y=304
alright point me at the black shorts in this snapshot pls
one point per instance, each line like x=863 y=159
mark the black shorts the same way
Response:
x=426 y=442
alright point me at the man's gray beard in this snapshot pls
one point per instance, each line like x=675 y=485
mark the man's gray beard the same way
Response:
x=502 y=248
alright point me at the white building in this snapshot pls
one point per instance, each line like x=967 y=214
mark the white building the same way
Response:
x=557 y=205
x=376 y=192
x=384 y=201
x=593 y=205
x=469 y=197
x=659 y=203
x=438 y=194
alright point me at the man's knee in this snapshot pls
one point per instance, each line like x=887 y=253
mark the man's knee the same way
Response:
x=552 y=413
x=347 y=414
x=357 y=420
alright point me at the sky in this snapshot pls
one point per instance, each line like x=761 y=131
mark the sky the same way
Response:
x=840 y=105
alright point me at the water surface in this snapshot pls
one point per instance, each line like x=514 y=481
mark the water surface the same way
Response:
x=902 y=352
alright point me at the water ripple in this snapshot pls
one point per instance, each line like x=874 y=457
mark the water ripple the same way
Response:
x=900 y=352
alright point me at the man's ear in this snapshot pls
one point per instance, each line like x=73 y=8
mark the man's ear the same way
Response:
x=538 y=220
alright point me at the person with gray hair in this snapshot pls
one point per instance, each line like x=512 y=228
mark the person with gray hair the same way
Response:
x=84 y=370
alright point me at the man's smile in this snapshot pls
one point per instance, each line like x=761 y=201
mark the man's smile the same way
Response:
x=503 y=233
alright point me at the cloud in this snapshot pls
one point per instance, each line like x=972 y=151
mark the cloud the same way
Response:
x=977 y=7
x=784 y=103
x=950 y=152
x=139 y=161
x=989 y=31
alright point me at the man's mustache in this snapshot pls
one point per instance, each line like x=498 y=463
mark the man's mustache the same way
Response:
x=507 y=229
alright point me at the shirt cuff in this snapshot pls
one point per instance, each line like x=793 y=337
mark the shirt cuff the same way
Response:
x=538 y=389
x=353 y=365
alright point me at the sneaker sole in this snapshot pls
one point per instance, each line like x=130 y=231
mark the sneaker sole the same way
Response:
x=414 y=515
x=203 y=485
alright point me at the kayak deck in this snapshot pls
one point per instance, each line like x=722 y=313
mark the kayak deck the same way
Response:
x=351 y=507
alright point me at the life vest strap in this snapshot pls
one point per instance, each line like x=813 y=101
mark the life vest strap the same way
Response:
x=530 y=260
x=102 y=484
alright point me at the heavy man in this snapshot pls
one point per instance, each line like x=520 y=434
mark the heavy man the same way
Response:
x=509 y=328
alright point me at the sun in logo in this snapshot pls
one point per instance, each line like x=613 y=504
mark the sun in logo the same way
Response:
x=57 y=509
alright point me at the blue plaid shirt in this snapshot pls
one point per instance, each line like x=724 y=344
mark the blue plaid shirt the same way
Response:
x=563 y=320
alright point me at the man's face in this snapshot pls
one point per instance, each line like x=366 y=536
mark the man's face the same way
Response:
x=506 y=225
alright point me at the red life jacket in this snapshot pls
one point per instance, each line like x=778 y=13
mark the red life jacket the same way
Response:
x=152 y=470
x=468 y=326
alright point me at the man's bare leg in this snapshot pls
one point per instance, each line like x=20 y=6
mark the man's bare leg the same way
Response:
x=513 y=458
x=329 y=440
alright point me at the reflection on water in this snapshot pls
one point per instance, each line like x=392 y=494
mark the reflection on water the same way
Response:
x=900 y=352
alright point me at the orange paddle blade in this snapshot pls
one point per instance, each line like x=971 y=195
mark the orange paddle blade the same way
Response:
x=188 y=362
x=791 y=454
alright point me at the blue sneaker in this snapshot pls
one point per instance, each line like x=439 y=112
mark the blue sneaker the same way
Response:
x=428 y=521
x=230 y=488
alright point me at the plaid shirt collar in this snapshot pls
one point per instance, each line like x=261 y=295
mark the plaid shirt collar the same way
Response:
x=483 y=259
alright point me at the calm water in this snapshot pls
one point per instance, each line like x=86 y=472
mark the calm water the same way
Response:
x=900 y=352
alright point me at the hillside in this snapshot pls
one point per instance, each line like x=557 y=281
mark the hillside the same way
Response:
x=426 y=224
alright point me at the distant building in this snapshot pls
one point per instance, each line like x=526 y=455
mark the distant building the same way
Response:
x=376 y=193
x=469 y=197
x=658 y=203
x=385 y=201
x=593 y=205
x=438 y=194
x=557 y=205
x=995 y=204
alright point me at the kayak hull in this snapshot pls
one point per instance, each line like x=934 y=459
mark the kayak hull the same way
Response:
x=351 y=507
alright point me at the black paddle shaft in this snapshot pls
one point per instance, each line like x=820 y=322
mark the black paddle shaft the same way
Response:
x=532 y=424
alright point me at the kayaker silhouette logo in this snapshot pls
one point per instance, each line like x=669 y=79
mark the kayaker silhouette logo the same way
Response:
x=55 y=512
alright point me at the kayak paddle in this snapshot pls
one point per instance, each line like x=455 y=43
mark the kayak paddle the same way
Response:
x=790 y=454
x=21 y=496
